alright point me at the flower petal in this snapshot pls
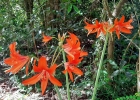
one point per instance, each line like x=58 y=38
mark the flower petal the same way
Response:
x=71 y=76
x=32 y=80
x=52 y=69
x=122 y=19
x=118 y=34
x=73 y=37
x=76 y=70
x=9 y=61
x=44 y=83
x=98 y=33
x=124 y=30
x=65 y=71
x=128 y=24
x=96 y=21
x=89 y=27
x=116 y=21
x=55 y=81
x=46 y=38
x=92 y=31
x=12 y=47
x=83 y=53
x=42 y=64
x=36 y=68
x=69 y=53
x=16 y=67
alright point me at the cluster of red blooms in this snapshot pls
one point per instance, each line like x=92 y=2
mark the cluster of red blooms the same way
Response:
x=74 y=55
x=104 y=27
x=43 y=73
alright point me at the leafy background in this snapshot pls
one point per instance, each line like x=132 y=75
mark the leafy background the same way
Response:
x=20 y=20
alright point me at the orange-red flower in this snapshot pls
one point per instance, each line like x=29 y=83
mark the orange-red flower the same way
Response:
x=16 y=61
x=72 y=45
x=97 y=27
x=46 y=38
x=71 y=65
x=43 y=74
x=121 y=26
x=75 y=54
x=89 y=27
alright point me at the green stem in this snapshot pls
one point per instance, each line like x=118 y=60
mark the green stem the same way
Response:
x=57 y=56
x=53 y=61
x=54 y=56
x=99 y=69
x=57 y=90
x=67 y=81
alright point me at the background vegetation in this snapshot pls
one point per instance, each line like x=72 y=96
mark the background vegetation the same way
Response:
x=22 y=20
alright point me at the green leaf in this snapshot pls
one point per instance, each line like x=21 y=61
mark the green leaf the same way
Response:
x=115 y=73
x=64 y=1
x=77 y=10
x=113 y=63
x=69 y=8
x=74 y=0
x=79 y=1
x=1 y=49
x=137 y=94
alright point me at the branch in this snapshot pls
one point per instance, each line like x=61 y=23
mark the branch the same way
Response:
x=106 y=7
x=118 y=8
x=116 y=11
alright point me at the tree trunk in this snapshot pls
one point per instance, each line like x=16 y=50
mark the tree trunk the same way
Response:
x=111 y=16
x=29 y=11
x=49 y=8
x=110 y=54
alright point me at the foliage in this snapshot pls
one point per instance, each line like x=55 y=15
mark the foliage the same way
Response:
x=131 y=97
x=68 y=15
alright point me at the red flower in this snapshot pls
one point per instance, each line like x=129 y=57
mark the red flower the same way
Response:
x=43 y=74
x=89 y=27
x=15 y=60
x=71 y=65
x=121 y=26
x=72 y=45
x=73 y=49
x=46 y=38
x=97 y=27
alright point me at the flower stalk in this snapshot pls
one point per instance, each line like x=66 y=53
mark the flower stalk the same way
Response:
x=99 y=69
x=57 y=90
x=53 y=61
x=67 y=81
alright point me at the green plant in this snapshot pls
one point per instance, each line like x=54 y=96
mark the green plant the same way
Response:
x=131 y=97
x=19 y=24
